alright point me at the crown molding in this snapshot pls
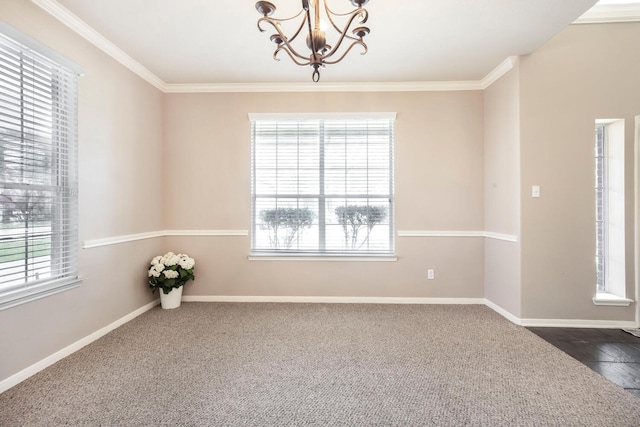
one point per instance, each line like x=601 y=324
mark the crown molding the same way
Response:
x=326 y=87
x=502 y=69
x=65 y=16
x=603 y=14
x=54 y=8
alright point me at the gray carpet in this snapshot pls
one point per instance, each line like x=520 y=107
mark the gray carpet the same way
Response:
x=254 y=364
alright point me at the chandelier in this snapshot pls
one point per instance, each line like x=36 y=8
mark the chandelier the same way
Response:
x=321 y=53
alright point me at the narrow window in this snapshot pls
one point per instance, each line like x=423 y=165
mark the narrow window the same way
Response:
x=38 y=184
x=610 y=216
x=322 y=185
x=601 y=210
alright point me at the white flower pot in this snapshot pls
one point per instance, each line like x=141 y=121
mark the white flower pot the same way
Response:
x=172 y=299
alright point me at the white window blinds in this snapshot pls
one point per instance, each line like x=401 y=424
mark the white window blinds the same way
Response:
x=322 y=185
x=38 y=174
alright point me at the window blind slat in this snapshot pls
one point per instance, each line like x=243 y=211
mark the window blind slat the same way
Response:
x=38 y=171
x=322 y=186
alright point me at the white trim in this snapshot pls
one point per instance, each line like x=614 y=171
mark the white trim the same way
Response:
x=40 y=48
x=65 y=16
x=636 y=219
x=107 y=241
x=603 y=298
x=504 y=313
x=323 y=116
x=606 y=121
x=502 y=69
x=95 y=243
x=501 y=236
x=561 y=323
x=427 y=86
x=611 y=13
x=24 y=295
x=439 y=233
x=72 y=21
x=13 y=380
x=205 y=232
x=458 y=233
x=330 y=300
x=328 y=258
x=578 y=323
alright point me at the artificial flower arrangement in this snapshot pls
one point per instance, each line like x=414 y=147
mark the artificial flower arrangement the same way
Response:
x=170 y=271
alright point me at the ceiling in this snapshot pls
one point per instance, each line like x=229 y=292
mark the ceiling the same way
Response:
x=218 y=42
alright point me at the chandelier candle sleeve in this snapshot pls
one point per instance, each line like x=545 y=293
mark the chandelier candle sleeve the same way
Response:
x=321 y=53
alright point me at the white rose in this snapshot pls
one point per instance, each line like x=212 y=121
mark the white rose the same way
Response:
x=158 y=268
x=156 y=260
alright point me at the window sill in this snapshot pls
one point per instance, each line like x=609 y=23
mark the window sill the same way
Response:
x=602 y=298
x=329 y=258
x=25 y=295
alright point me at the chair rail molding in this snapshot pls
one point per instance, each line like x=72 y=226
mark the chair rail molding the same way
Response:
x=96 y=243
x=458 y=233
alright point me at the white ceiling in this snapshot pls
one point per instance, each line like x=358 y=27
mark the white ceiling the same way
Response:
x=217 y=41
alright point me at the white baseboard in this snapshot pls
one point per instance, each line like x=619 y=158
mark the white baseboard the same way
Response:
x=504 y=313
x=562 y=323
x=579 y=323
x=331 y=300
x=59 y=355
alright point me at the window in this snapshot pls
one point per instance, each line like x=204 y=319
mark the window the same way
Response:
x=609 y=209
x=322 y=184
x=601 y=210
x=38 y=183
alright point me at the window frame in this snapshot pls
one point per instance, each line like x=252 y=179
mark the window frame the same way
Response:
x=601 y=208
x=63 y=188
x=610 y=218
x=321 y=252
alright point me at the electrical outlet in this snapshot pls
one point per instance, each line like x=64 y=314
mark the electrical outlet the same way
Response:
x=431 y=274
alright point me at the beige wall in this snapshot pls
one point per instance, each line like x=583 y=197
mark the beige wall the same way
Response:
x=464 y=161
x=438 y=186
x=502 y=191
x=584 y=73
x=120 y=174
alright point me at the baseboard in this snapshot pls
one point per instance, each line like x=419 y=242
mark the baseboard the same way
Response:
x=561 y=323
x=579 y=323
x=15 y=379
x=504 y=313
x=331 y=300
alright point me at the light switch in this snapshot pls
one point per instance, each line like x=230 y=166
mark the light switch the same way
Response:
x=535 y=191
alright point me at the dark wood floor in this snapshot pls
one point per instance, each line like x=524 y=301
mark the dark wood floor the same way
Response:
x=613 y=353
